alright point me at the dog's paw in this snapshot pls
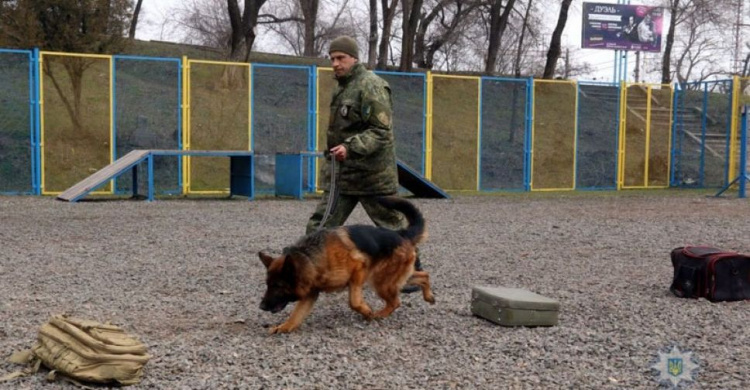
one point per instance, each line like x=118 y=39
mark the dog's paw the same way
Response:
x=430 y=299
x=283 y=328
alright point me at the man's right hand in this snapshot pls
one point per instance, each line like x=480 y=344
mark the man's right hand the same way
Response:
x=339 y=152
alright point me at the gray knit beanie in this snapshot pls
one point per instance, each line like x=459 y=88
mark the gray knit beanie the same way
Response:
x=346 y=45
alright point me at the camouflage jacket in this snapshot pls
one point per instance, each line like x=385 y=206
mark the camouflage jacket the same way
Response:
x=361 y=112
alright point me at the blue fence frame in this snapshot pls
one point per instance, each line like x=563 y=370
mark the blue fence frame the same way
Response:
x=677 y=153
x=34 y=156
x=178 y=111
x=616 y=117
x=309 y=119
x=424 y=109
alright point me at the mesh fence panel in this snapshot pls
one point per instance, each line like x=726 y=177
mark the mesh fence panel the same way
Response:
x=554 y=137
x=326 y=86
x=219 y=120
x=718 y=130
x=597 y=136
x=660 y=136
x=503 y=130
x=689 y=143
x=147 y=117
x=408 y=93
x=455 y=123
x=15 y=123
x=634 y=161
x=647 y=136
x=76 y=131
x=742 y=100
x=701 y=141
x=280 y=104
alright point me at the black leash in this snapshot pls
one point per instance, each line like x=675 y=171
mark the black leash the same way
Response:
x=333 y=195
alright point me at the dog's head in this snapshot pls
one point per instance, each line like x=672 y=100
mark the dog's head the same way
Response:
x=281 y=282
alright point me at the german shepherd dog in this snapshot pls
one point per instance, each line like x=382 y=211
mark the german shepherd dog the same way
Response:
x=348 y=256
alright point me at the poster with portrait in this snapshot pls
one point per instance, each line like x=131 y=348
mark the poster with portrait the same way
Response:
x=622 y=27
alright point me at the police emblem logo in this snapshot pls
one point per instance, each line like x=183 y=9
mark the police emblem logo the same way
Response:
x=675 y=366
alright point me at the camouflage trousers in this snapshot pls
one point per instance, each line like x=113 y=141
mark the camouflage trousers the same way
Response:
x=381 y=216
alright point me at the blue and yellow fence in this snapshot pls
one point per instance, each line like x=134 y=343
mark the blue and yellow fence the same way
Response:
x=66 y=115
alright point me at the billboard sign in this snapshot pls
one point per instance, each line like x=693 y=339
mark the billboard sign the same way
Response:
x=622 y=27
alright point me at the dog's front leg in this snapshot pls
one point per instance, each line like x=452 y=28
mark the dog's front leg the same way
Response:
x=356 y=301
x=301 y=310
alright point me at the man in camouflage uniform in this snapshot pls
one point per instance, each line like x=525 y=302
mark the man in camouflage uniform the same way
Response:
x=360 y=138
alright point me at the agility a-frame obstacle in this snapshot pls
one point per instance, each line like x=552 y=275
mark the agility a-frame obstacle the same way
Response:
x=743 y=176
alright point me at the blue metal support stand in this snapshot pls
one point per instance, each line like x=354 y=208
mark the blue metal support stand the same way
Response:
x=743 y=178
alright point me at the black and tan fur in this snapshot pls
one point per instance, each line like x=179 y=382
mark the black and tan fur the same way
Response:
x=347 y=257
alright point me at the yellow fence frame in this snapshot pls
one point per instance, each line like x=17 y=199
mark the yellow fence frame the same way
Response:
x=42 y=122
x=622 y=151
x=429 y=131
x=187 y=123
x=317 y=122
x=533 y=131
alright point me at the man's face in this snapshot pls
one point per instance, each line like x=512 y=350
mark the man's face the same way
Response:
x=342 y=63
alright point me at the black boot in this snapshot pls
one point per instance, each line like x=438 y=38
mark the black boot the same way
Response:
x=410 y=288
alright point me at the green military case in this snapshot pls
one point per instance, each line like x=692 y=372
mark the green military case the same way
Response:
x=513 y=306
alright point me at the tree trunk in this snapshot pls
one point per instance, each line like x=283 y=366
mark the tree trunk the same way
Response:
x=250 y=22
x=498 y=24
x=372 y=40
x=517 y=62
x=412 y=10
x=666 y=76
x=554 y=48
x=310 y=13
x=389 y=12
x=235 y=21
x=134 y=23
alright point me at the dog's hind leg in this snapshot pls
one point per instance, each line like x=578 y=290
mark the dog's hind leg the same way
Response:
x=422 y=279
x=301 y=310
x=356 y=301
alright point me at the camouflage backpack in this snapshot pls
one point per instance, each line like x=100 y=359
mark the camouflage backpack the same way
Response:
x=84 y=350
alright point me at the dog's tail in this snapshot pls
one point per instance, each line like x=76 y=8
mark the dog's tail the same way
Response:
x=416 y=231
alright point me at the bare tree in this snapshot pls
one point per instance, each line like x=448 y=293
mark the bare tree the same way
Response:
x=83 y=27
x=411 y=11
x=524 y=27
x=306 y=32
x=666 y=75
x=134 y=23
x=498 y=23
x=203 y=22
x=698 y=55
x=389 y=13
x=372 y=38
x=554 y=49
x=310 y=13
x=710 y=12
x=451 y=15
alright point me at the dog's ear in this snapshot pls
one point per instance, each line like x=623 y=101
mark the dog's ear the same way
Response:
x=265 y=259
x=293 y=260
x=290 y=264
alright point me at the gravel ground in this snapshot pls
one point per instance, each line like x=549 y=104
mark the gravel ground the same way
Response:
x=183 y=275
